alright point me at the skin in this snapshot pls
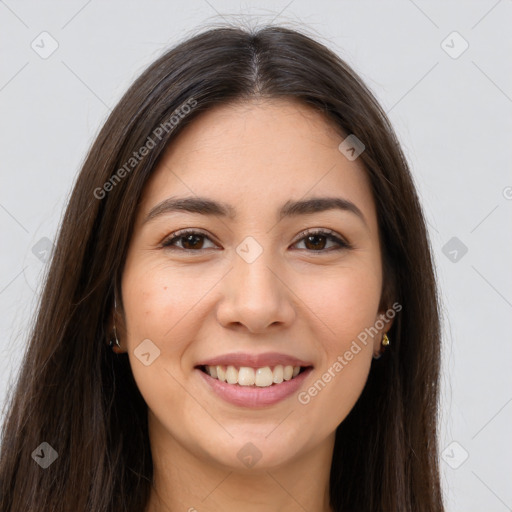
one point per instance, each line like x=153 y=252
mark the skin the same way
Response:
x=298 y=298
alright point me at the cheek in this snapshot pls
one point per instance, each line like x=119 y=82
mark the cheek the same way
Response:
x=159 y=306
x=345 y=302
x=346 y=306
x=156 y=305
x=159 y=302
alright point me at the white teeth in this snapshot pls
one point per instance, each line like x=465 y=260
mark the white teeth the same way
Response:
x=278 y=374
x=221 y=373
x=231 y=375
x=247 y=376
x=264 y=377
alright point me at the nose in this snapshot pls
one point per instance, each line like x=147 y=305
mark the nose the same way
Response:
x=256 y=296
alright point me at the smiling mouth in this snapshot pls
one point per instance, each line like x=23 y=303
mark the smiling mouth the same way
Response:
x=262 y=377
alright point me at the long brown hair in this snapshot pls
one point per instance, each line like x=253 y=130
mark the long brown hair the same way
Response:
x=73 y=393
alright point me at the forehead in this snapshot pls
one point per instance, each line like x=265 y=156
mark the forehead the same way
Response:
x=257 y=155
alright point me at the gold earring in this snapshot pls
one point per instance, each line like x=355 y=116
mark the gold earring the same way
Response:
x=384 y=343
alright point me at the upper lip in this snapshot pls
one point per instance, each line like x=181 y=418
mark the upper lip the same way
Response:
x=254 y=360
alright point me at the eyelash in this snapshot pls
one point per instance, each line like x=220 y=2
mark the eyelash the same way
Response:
x=342 y=244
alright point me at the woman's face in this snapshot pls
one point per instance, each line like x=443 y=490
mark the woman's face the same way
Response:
x=251 y=290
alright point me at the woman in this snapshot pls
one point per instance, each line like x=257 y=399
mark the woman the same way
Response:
x=246 y=237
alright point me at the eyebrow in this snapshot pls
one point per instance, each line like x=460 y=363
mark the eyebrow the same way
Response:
x=205 y=206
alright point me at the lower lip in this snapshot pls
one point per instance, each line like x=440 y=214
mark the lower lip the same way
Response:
x=252 y=396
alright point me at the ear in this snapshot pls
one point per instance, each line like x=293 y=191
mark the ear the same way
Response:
x=116 y=327
x=388 y=307
x=383 y=323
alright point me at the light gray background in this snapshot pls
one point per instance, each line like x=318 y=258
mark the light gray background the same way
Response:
x=453 y=117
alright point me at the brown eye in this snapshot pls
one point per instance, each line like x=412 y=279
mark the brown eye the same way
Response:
x=189 y=240
x=192 y=241
x=315 y=241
